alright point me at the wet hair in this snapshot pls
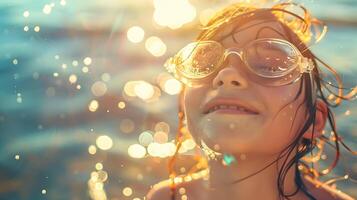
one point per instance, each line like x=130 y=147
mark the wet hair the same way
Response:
x=300 y=30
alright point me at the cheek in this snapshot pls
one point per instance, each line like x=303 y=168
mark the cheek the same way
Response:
x=193 y=99
x=267 y=134
x=286 y=117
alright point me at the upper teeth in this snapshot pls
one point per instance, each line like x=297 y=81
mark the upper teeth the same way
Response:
x=235 y=107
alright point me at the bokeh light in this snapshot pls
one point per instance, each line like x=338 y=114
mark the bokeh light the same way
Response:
x=172 y=87
x=145 y=138
x=127 y=191
x=162 y=126
x=26 y=13
x=136 y=151
x=160 y=137
x=92 y=149
x=93 y=105
x=144 y=90
x=89 y=109
x=72 y=79
x=37 y=28
x=135 y=34
x=155 y=46
x=99 y=88
x=87 y=60
x=104 y=142
x=170 y=13
x=121 y=104
x=47 y=9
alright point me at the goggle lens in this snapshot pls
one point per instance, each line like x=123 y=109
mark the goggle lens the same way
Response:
x=272 y=62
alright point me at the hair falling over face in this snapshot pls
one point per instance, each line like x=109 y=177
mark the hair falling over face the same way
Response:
x=305 y=152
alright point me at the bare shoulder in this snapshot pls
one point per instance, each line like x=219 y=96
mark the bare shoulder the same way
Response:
x=325 y=192
x=162 y=190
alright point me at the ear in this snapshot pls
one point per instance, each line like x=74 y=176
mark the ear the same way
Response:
x=320 y=120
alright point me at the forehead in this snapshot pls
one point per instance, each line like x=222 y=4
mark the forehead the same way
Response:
x=237 y=35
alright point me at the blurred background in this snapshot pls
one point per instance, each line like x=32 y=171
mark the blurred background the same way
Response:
x=87 y=110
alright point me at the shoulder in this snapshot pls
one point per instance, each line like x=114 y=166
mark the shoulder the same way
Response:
x=324 y=191
x=162 y=190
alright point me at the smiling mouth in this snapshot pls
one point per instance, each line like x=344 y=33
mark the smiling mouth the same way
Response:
x=230 y=109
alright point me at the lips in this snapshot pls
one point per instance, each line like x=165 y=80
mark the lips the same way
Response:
x=229 y=105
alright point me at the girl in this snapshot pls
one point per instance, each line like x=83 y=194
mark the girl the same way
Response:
x=255 y=101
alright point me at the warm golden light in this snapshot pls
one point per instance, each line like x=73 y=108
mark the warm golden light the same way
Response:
x=85 y=69
x=104 y=142
x=173 y=13
x=87 y=60
x=172 y=86
x=99 y=166
x=162 y=126
x=121 y=105
x=135 y=34
x=72 y=79
x=92 y=149
x=189 y=144
x=129 y=88
x=155 y=46
x=136 y=151
x=206 y=15
x=160 y=137
x=36 y=29
x=144 y=90
x=99 y=88
x=93 y=105
x=161 y=150
x=127 y=191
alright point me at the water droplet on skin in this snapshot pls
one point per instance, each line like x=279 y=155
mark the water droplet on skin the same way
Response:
x=243 y=156
x=232 y=126
x=208 y=119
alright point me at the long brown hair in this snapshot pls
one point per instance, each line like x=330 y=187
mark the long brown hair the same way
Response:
x=301 y=30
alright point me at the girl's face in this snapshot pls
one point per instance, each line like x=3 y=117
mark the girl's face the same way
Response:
x=267 y=132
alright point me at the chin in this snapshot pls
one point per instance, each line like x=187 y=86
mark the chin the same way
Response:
x=222 y=136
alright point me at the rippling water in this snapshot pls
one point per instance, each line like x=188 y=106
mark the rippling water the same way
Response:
x=45 y=120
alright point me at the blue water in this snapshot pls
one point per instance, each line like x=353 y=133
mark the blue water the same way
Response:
x=52 y=133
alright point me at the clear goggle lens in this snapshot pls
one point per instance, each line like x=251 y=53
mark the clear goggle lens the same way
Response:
x=271 y=62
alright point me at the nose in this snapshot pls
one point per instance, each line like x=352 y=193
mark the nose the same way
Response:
x=229 y=77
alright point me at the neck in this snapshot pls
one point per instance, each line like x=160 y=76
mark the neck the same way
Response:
x=261 y=185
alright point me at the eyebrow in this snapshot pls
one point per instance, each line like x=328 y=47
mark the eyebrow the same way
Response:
x=238 y=29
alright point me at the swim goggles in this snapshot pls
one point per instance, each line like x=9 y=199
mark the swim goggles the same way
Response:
x=268 y=61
